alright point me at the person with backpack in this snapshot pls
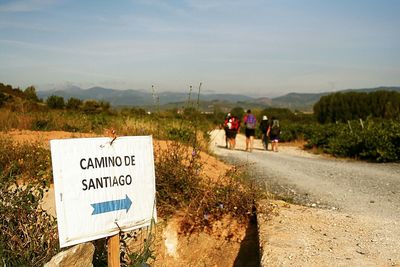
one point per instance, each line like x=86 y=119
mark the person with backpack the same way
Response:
x=250 y=122
x=273 y=132
x=234 y=125
x=264 y=125
x=226 y=128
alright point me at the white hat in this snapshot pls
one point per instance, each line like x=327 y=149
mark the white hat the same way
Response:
x=265 y=118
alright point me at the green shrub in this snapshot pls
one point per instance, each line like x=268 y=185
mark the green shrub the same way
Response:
x=41 y=125
x=98 y=122
x=374 y=140
x=91 y=107
x=29 y=161
x=180 y=185
x=73 y=103
x=345 y=144
x=30 y=94
x=318 y=135
x=292 y=131
x=28 y=235
x=3 y=99
x=181 y=134
x=55 y=102
x=382 y=140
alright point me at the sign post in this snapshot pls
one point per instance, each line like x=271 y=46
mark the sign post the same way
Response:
x=113 y=251
x=103 y=186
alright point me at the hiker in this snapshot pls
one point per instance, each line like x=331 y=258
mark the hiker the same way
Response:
x=273 y=132
x=264 y=125
x=250 y=122
x=226 y=128
x=232 y=131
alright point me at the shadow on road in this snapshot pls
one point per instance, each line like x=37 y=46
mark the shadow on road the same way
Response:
x=249 y=253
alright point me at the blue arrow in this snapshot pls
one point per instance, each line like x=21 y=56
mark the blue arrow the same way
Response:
x=113 y=205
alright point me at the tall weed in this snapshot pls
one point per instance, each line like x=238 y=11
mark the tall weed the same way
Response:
x=181 y=186
x=28 y=235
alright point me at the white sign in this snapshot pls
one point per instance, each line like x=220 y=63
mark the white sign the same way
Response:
x=102 y=186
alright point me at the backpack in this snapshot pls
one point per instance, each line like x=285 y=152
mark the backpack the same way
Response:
x=251 y=122
x=264 y=126
x=235 y=123
x=275 y=129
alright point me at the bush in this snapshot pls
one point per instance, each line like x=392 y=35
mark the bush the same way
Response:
x=91 y=107
x=41 y=125
x=55 y=102
x=3 y=99
x=180 y=186
x=180 y=134
x=377 y=140
x=28 y=235
x=30 y=94
x=73 y=103
x=292 y=131
x=27 y=161
x=318 y=135
x=382 y=140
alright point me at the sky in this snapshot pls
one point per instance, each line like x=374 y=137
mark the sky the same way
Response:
x=254 y=47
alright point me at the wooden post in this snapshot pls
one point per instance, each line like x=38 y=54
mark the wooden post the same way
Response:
x=351 y=130
x=113 y=251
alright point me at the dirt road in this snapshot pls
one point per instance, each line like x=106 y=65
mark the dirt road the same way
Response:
x=359 y=223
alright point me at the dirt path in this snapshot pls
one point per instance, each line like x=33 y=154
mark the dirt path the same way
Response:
x=359 y=223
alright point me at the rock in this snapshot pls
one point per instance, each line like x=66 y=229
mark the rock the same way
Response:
x=78 y=256
x=170 y=237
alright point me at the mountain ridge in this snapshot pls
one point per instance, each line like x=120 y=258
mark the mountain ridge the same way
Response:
x=132 y=97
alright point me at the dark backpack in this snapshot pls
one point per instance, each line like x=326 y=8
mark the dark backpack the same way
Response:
x=275 y=129
x=264 y=126
x=251 y=121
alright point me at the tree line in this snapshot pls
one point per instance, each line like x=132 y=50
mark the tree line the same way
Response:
x=28 y=97
x=357 y=105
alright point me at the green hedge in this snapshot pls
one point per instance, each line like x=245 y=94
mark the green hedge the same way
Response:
x=371 y=140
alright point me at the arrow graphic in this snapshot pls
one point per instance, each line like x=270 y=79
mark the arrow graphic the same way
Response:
x=113 y=205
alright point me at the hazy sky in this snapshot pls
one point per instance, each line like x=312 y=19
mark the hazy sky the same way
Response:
x=269 y=47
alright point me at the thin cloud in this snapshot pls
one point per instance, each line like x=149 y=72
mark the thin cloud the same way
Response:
x=52 y=48
x=211 y=4
x=25 y=6
x=17 y=25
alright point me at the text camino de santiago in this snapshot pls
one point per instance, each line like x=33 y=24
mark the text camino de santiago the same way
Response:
x=106 y=162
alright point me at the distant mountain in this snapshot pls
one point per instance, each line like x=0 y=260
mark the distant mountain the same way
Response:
x=135 y=97
x=297 y=100
x=300 y=101
x=368 y=90
x=115 y=97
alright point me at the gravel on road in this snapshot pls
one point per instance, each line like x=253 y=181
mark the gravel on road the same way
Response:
x=368 y=192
